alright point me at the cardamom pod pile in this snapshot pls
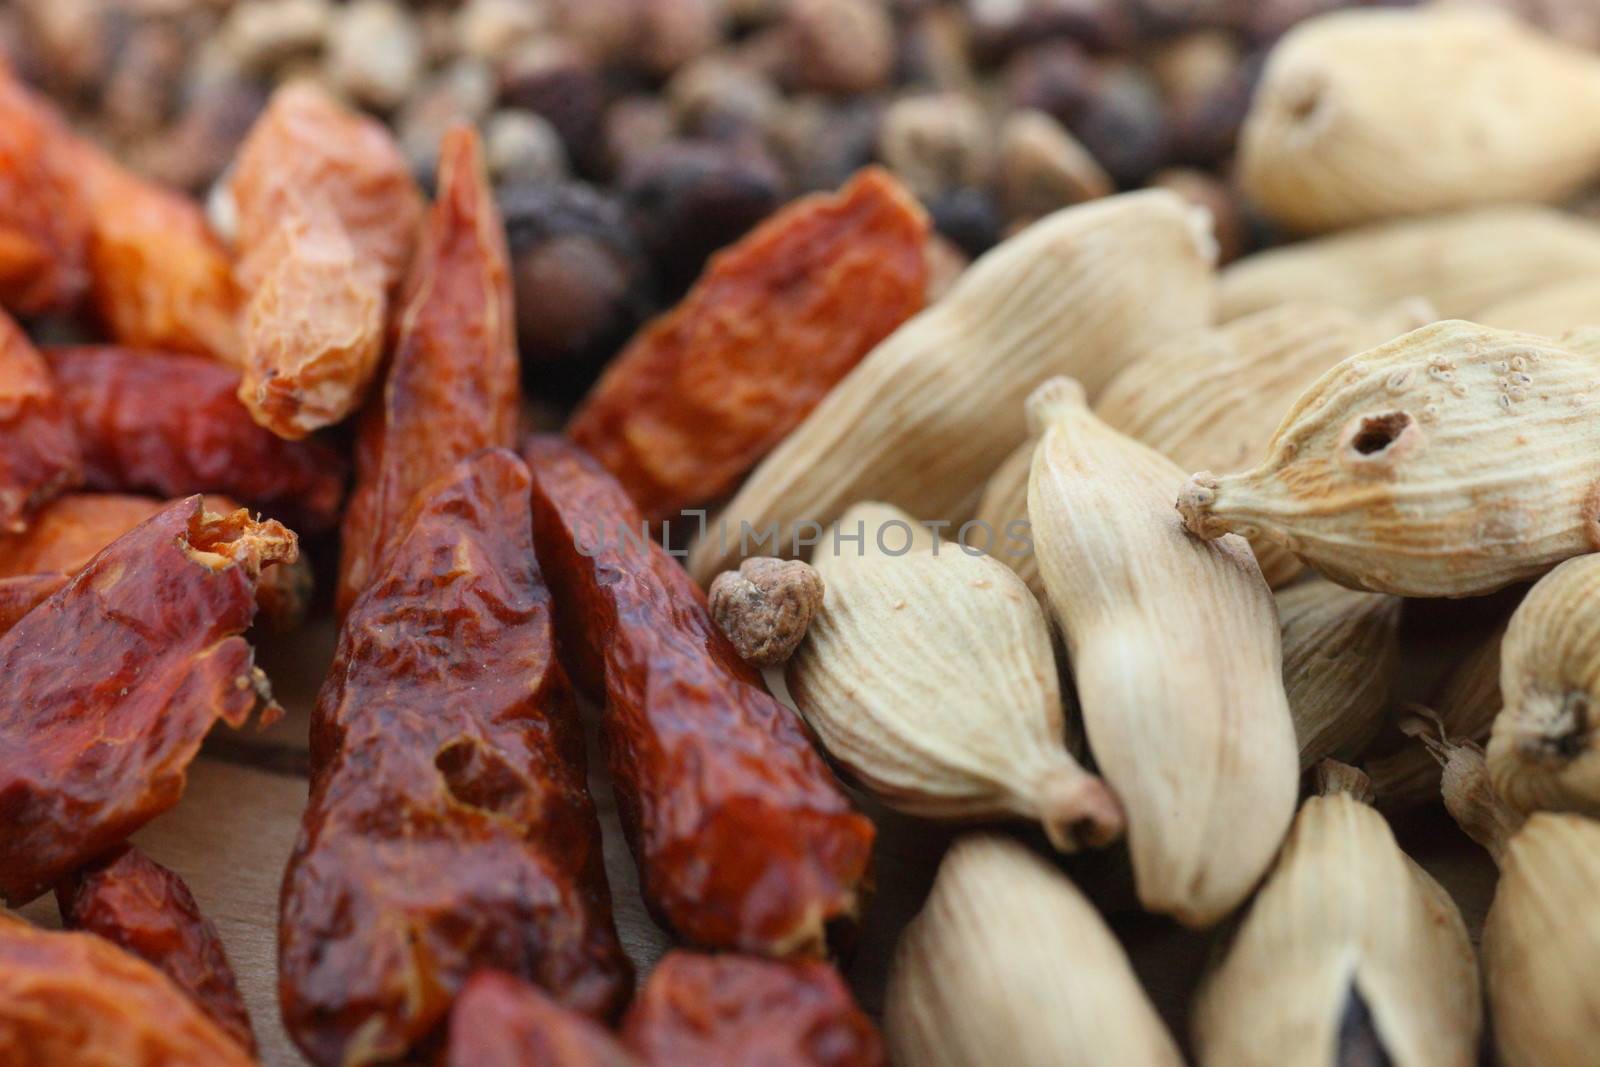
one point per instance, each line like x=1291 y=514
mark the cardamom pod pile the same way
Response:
x=800 y=533
x=1352 y=513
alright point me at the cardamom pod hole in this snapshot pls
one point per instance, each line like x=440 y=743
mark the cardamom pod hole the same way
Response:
x=1372 y=444
x=1377 y=432
x=1305 y=104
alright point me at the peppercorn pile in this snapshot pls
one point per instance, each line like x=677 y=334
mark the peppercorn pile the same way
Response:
x=821 y=534
x=627 y=140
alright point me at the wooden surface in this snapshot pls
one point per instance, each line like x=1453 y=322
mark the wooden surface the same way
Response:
x=231 y=836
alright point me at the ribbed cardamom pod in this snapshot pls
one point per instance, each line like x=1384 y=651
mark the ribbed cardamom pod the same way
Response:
x=1541 y=938
x=928 y=414
x=1543 y=753
x=1175 y=651
x=1553 y=310
x=1211 y=399
x=1350 y=956
x=1008 y=964
x=1460 y=262
x=1004 y=502
x=929 y=676
x=1541 y=941
x=1452 y=461
x=1465 y=703
x=1340 y=651
x=1373 y=114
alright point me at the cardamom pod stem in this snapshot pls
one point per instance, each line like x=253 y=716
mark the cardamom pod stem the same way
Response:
x=1463 y=708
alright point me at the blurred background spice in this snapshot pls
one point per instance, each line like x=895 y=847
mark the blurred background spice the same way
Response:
x=631 y=139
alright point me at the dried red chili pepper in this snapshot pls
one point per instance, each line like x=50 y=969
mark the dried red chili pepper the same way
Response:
x=706 y=390
x=744 y=839
x=159 y=278
x=44 y=229
x=21 y=594
x=449 y=827
x=112 y=682
x=737 y=1011
x=306 y=146
x=313 y=325
x=328 y=216
x=39 y=454
x=452 y=386
x=67 y=532
x=69 y=998
x=138 y=905
x=70 y=530
x=173 y=425
x=695 y=1009
x=500 y=1021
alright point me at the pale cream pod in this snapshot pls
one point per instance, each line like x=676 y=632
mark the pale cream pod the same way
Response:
x=1541 y=938
x=930 y=412
x=1005 y=502
x=1175 y=651
x=1543 y=753
x=930 y=678
x=1340 y=651
x=1553 y=310
x=1452 y=461
x=1007 y=963
x=1350 y=948
x=1464 y=708
x=1211 y=399
x=1373 y=114
x=1460 y=262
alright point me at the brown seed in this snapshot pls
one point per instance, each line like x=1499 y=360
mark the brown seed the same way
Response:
x=765 y=607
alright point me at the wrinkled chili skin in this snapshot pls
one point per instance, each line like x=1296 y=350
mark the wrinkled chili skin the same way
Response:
x=39 y=454
x=159 y=278
x=24 y=592
x=173 y=425
x=44 y=229
x=75 y=998
x=738 y=1011
x=706 y=390
x=744 y=839
x=453 y=382
x=306 y=145
x=112 y=683
x=450 y=826
x=140 y=906
x=71 y=530
x=328 y=215
x=499 y=1021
